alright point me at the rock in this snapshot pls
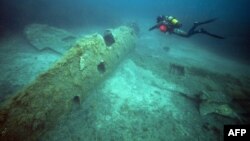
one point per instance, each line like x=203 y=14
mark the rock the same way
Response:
x=215 y=96
x=222 y=109
x=45 y=37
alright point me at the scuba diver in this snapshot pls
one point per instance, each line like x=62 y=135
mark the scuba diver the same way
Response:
x=172 y=25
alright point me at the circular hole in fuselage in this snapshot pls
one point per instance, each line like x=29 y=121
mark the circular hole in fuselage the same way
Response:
x=101 y=67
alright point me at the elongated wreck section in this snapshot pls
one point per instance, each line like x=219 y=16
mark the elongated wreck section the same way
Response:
x=37 y=108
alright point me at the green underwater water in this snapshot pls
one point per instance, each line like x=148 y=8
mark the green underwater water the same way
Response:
x=147 y=98
x=60 y=81
x=158 y=92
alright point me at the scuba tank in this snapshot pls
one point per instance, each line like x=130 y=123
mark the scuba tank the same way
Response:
x=172 y=20
x=166 y=23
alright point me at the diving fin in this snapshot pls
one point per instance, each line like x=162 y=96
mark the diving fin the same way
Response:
x=204 y=22
x=210 y=34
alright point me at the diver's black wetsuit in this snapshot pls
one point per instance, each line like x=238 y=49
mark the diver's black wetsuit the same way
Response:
x=192 y=31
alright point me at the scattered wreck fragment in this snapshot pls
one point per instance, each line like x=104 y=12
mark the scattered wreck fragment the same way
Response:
x=44 y=37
